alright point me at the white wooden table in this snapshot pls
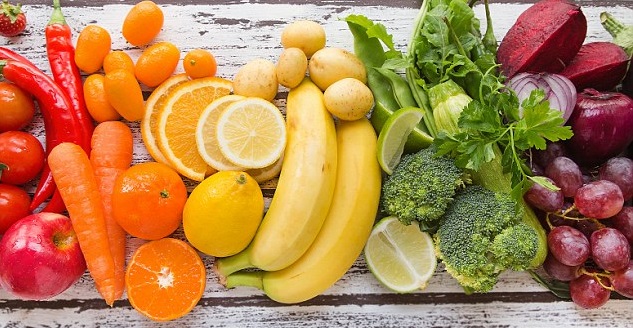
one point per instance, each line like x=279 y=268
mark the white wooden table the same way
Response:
x=237 y=31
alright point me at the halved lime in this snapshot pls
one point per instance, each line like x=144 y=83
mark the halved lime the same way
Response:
x=417 y=139
x=394 y=134
x=401 y=257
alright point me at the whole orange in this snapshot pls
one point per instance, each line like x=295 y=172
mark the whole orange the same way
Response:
x=148 y=200
x=199 y=63
x=142 y=23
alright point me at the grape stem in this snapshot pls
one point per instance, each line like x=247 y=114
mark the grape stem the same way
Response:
x=599 y=276
x=565 y=215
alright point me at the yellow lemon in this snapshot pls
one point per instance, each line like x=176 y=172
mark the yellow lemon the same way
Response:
x=223 y=213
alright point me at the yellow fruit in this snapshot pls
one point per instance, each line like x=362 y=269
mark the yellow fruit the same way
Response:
x=345 y=230
x=267 y=173
x=223 y=213
x=177 y=121
x=206 y=139
x=149 y=122
x=251 y=133
x=304 y=191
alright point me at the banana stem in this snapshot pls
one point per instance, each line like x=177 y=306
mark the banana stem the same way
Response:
x=246 y=278
x=228 y=265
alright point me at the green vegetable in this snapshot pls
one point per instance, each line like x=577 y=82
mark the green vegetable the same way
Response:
x=448 y=100
x=481 y=235
x=622 y=34
x=421 y=187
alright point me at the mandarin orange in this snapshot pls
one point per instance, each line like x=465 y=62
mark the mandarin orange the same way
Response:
x=148 y=200
x=165 y=279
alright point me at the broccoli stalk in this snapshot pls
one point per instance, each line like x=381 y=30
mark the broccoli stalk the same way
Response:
x=483 y=234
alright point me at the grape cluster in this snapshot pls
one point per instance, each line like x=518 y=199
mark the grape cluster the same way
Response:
x=589 y=219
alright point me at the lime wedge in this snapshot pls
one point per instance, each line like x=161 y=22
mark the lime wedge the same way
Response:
x=393 y=136
x=401 y=257
x=417 y=139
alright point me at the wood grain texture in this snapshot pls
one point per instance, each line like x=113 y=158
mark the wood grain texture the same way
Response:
x=237 y=31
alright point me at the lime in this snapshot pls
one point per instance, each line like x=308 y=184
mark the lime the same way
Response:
x=393 y=136
x=401 y=257
x=418 y=138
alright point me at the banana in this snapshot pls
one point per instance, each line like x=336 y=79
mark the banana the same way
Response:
x=304 y=190
x=345 y=230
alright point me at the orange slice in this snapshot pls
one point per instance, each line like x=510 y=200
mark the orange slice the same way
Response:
x=165 y=279
x=177 y=121
x=149 y=123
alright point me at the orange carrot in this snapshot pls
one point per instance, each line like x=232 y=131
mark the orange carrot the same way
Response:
x=77 y=185
x=112 y=148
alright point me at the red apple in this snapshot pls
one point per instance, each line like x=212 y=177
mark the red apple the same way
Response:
x=40 y=256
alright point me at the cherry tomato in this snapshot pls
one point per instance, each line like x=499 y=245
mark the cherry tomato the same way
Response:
x=21 y=157
x=14 y=205
x=16 y=107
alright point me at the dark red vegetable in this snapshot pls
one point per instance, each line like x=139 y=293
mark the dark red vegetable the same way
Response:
x=602 y=123
x=56 y=108
x=544 y=38
x=598 y=65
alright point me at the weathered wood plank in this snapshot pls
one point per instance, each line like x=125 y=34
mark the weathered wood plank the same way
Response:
x=237 y=31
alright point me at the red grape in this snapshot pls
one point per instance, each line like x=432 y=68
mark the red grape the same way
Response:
x=600 y=199
x=568 y=245
x=545 y=199
x=566 y=174
x=587 y=292
x=546 y=156
x=622 y=281
x=619 y=170
x=609 y=249
x=559 y=271
x=623 y=221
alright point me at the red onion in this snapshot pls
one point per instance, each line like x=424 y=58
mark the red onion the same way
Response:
x=559 y=90
x=602 y=123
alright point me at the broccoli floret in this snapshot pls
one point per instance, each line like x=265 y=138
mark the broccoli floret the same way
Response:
x=421 y=187
x=483 y=234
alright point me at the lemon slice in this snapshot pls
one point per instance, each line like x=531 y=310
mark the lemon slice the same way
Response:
x=251 y=133
x=149 y=123
x=177 y=121
x=400 y=256
x=206 y=139
x=267 y=173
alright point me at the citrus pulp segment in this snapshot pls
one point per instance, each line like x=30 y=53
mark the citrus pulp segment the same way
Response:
x=400 y=256
x=149 y=123
x=252 y=133
x=177 y=121
x=165 y=279
x=206 y=139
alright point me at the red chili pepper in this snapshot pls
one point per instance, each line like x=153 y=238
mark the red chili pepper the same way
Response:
x=6 y=53
x=61 y=56
x=56 y=108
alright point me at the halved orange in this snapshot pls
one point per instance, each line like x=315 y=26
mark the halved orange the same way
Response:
x=149 y=123
x=177 y=121
x=165 y=279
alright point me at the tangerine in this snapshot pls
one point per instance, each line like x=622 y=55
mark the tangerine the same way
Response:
x=148 y=200
x=165 y=279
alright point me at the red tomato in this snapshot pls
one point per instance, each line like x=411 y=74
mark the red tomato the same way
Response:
x=21 y=157
x=14 y=205
x=16 y=107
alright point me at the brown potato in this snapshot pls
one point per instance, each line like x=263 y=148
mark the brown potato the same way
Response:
x=309 y=36
x=329 y=65
x=291 y=67
x=348 y=99
x=257 y=78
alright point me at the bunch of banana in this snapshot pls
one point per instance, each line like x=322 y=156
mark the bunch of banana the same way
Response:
x=347 y=224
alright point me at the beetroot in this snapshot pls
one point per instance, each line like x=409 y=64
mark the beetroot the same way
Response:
x=545 y=38
x=598 y=65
